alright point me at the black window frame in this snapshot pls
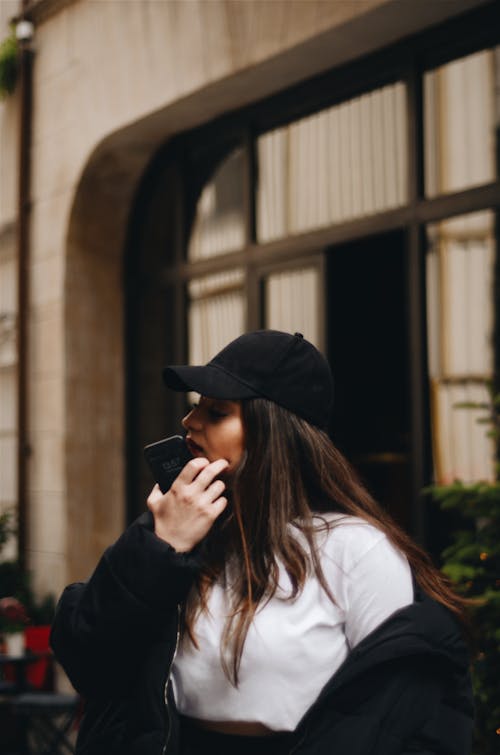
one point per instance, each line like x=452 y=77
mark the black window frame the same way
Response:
x=199 y=151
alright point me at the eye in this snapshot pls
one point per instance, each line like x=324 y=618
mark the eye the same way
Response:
x=215 y=413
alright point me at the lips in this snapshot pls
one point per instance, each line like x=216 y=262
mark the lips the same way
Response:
x=194 y=448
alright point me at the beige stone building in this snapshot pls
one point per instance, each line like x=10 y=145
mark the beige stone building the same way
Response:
x=202 y=167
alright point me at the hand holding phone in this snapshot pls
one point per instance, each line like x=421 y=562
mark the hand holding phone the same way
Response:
x=166 y=459
x=185 y=513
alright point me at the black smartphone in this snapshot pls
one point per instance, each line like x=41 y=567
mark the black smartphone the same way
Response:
x=166 y=459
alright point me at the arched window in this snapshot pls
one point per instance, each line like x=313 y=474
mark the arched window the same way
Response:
x=355 y=209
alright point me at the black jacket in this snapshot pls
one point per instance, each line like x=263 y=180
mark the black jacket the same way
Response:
x=405 y=689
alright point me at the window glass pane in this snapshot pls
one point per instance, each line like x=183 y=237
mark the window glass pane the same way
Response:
x=8 y=402
x=8 y=339
x=342 y=163
x=293 y=303
x=8 y=311
x=8 y=470
x=8 y=445
x=219 y=224
x=8 y=387
x=459 y=122
x=216 y=313
x=460 y=314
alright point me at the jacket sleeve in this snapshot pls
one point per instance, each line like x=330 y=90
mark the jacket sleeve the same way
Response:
x=404 y=689
x=103 y=628
x=397 y=708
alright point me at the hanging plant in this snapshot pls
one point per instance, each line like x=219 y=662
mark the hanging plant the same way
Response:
x=8 y=64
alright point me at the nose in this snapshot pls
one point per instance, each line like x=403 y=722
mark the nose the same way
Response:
x=191 y=420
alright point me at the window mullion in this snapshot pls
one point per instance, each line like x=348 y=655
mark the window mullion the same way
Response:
x=253 y=293
x=414 y=90
x=249 y=179
x=417 y=360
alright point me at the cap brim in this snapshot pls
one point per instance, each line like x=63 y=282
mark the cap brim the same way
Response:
x=208 y=380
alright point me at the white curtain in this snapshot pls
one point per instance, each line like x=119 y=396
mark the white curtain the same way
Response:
x=219 y=224
x=292 y=303
x=342 y=163
x=460 y=346
x=459 y=125
x=216 y=313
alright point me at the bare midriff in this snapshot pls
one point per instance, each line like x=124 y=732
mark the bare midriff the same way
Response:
x=237 y=728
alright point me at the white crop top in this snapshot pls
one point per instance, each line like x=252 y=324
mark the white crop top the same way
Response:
x=294 y=646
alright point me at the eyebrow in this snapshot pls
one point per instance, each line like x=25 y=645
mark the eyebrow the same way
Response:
x=217 y=401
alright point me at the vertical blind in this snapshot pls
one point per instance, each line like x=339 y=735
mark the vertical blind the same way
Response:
x=342 y=163
x=459 y=124
x=216 y=313
x=292 y=301
x=219 y=224
x=460 y=264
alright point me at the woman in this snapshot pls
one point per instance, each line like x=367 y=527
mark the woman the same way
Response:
x=265 y=603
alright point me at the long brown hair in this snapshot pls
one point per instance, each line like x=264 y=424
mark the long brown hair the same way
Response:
x=291 y=472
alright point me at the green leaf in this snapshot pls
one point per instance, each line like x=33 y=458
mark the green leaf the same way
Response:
x=8 y=65
x=459 y=572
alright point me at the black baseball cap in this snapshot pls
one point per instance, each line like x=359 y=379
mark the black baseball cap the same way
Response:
x=281 y=367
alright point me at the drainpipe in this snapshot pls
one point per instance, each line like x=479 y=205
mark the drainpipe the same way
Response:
x=24 y=34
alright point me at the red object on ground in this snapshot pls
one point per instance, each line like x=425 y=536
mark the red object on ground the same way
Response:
x=37 y=640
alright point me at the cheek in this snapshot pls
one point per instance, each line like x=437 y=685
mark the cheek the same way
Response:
x=241 y=450
x=238 y=450
x=235 y=442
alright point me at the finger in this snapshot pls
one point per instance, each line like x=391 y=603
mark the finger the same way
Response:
x=154 y=496
x=192 y=469
x=206 y=476
x=218 y=507
x=215 y=490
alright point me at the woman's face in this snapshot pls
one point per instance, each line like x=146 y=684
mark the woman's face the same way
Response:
x=215 y=430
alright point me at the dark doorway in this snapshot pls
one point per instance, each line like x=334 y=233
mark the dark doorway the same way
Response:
x=368 y=350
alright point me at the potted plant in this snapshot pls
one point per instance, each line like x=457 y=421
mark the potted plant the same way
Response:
x=15 y=585
x=37 y=636
x=472 y=562
x=13 y=619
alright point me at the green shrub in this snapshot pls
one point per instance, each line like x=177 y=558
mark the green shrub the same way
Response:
x=472 y=562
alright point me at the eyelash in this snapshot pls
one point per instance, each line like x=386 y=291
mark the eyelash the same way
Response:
x=212 y=413
x=215 y=414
